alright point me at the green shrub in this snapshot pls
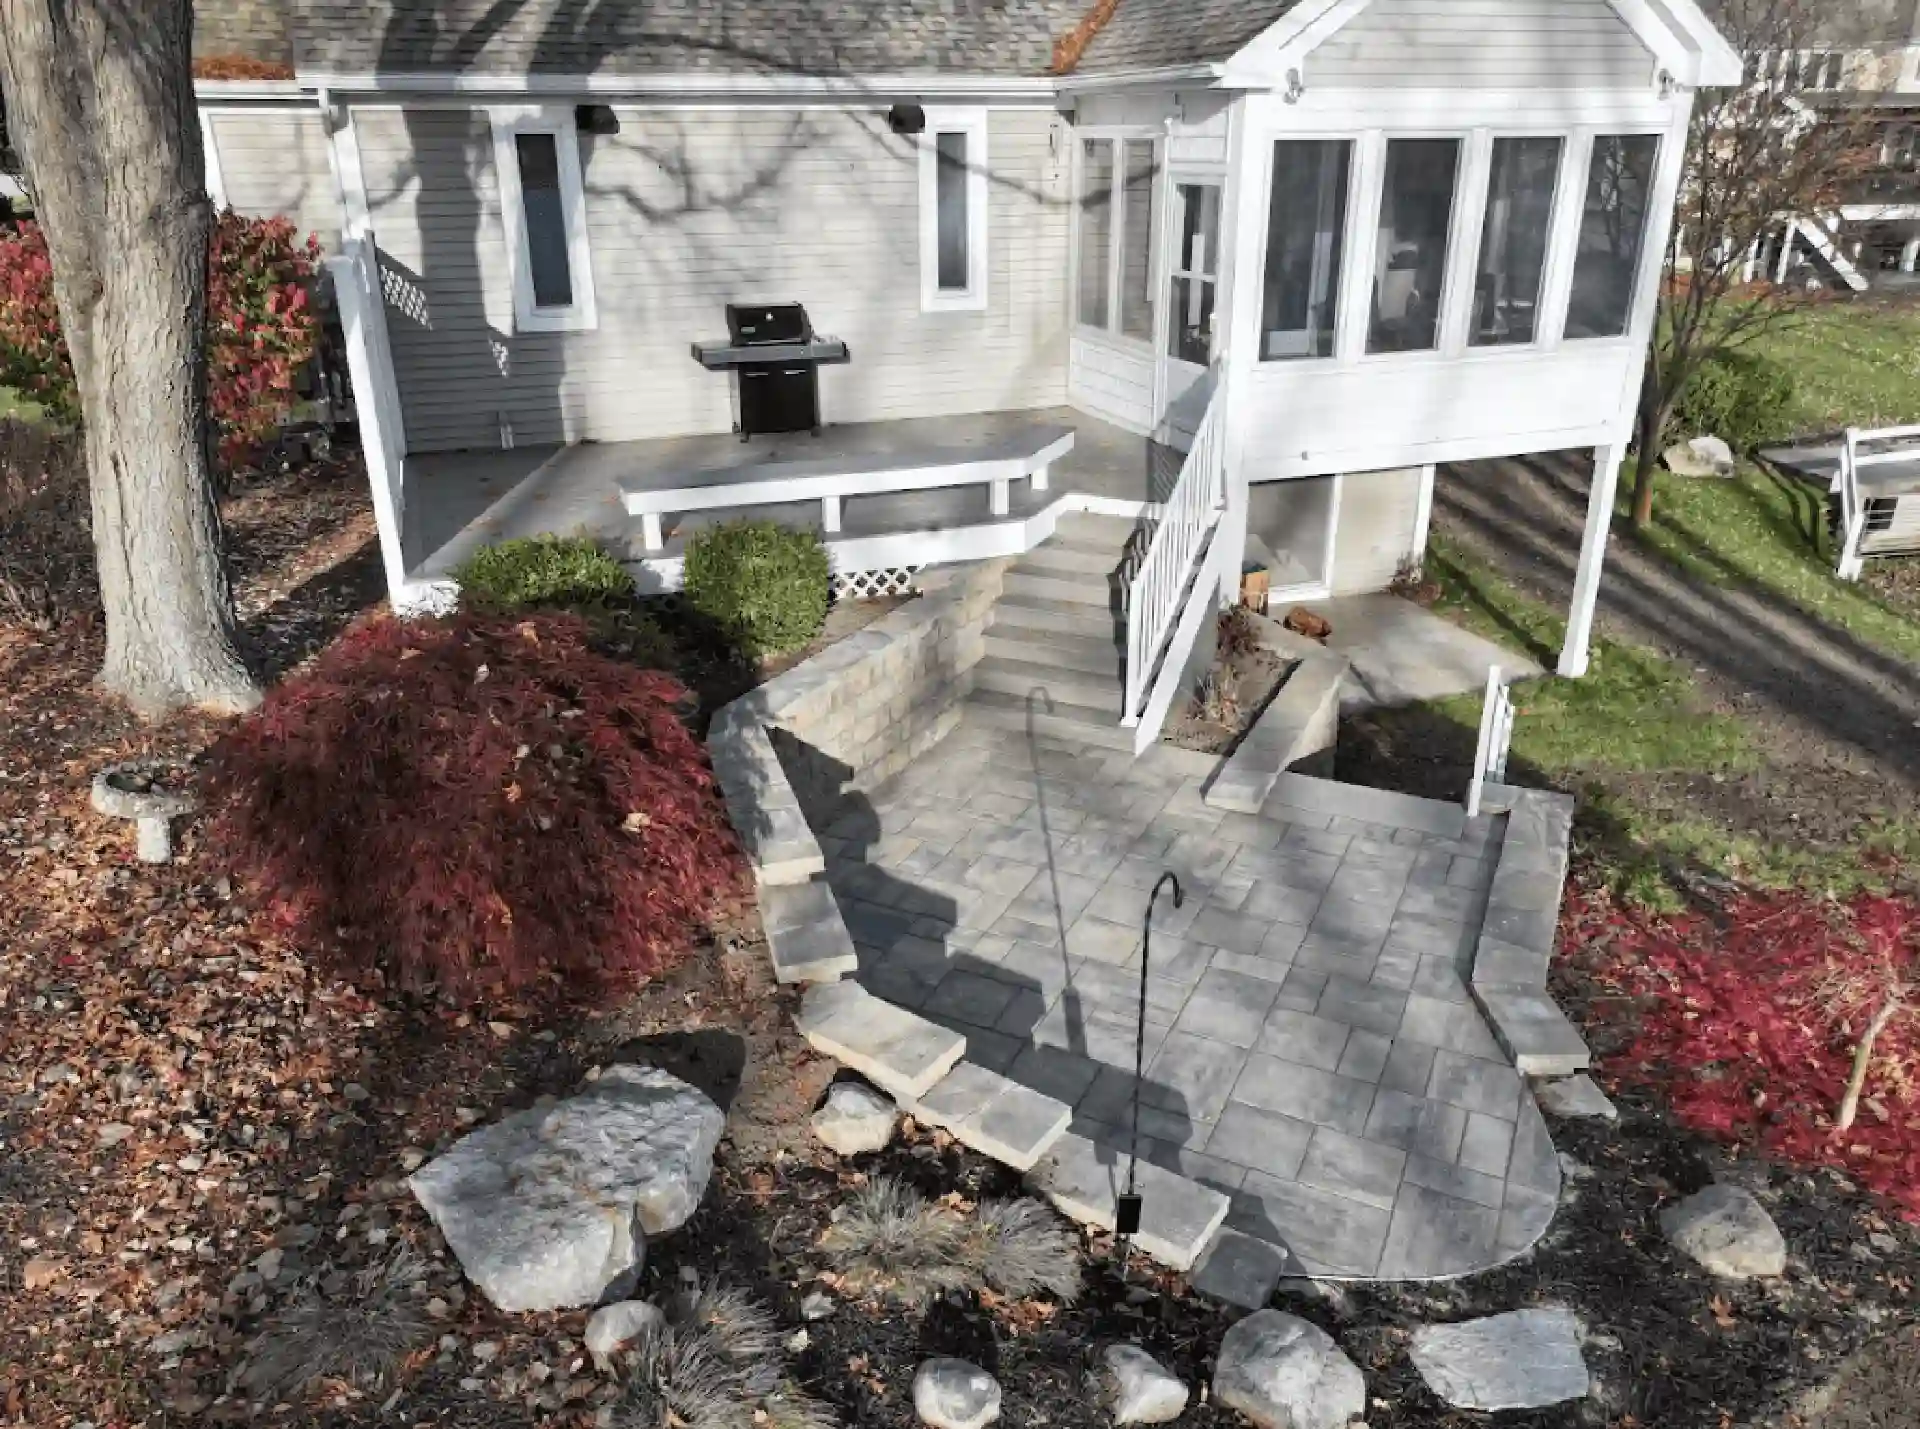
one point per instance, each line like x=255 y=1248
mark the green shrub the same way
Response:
x=1742 y=397
x=764 y=585
x=564 y=572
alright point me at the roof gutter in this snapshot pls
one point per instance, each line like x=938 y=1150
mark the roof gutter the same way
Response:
x=690 y=85
x=1193 y=74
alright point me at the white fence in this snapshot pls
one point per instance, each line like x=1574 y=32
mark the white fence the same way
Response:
x=1496 y=733
x=1186 y=521
x=1846 y=484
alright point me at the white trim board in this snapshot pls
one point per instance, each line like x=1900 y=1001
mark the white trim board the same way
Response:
x=971 y=123
x=875 y=88
x=557 y=121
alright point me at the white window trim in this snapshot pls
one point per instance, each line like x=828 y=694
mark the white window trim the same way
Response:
x=581 y=315
x=971 y=122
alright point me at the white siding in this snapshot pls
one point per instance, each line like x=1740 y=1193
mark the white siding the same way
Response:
x=1483 y=44
x=690 y=210
x=275 y=163
x=1902 y=532
x=1375 y=529
x=1113 y=380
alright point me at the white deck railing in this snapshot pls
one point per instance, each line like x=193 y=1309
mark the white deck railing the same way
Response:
x=1846 y=484
x=376 y=396
x=1496 y=735
x=1184 y=524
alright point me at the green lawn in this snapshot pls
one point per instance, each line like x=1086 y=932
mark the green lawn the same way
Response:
x=1853 y=365
x=18 y=408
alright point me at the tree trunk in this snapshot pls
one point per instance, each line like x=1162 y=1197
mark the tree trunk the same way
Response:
x=1863 y=1059
x=1650 y=423
x=100 y=97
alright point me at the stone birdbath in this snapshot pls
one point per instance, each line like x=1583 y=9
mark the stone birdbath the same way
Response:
x=136 y=790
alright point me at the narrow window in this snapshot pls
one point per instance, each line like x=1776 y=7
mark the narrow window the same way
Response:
x=1513 y=243
x=1096 y=230
x=546 y=219
x=950 y=171
x=1836 y=67
x=1195 y=270
x=1306 y=224
x=1138 y=228
x=1410 y=263
x=1613 y=226
x=953 y=210
x=543 y=209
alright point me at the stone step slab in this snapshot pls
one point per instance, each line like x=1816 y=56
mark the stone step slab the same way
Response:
x=1067 y=721
x=1091 y=655
x=1079 y=688
x=1084 y=1181
x=1014 y=611
x=1527 y=1359
x=994 y=1115
x=806 y=934
x=1374 y=806
x=903 y=1054
x=1301 y=720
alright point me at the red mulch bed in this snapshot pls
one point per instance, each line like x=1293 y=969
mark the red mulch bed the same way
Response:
x=1736 y=1024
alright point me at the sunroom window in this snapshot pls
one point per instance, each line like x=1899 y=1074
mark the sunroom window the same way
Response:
x=1513 y=241
x=1613 y=226
x=1118 y=223
x=1306 y=226
x=1410 y=263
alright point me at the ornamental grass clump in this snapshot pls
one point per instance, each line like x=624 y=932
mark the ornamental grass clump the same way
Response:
x=476 y=805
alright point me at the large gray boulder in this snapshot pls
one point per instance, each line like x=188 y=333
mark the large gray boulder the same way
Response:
x=551 y=1207
x=1524 y=1360
x=953 y=1394
x=1728 y=1231
x=1284 y=1373
x=1141 y=1390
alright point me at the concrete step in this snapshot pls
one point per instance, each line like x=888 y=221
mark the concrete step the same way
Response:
x=1017 y=611
x=1096 y=656
x=805 y=933
x=1067 y=559
x=1084 y=1181
x=1105 y=533
x=1079 y=688
x=1068 y=722
x=902 y=1054
x=1086 y=590
x=996 y=1116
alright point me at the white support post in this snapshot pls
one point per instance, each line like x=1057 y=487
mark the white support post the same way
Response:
x=1748 y=273
x=1000 y=503
x=1910 y=255
x=1422 y=516
x=1040 y=476
x=1786 y=253
x=210 y=146
x=650 y=532
x=1593 y=556
x=830 y=515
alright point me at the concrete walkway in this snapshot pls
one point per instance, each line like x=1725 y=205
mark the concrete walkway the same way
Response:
x=1311 y=1048
x=1402 y=653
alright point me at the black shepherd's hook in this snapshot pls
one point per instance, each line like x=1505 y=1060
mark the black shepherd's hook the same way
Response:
x=1127 y=1213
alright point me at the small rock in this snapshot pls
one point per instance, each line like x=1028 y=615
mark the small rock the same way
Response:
x=1573 y=1097
x=1525 y=1360
x=1284 y=1373
x=798 y=1340
x=1728 y=1231
x=485 y=1350
x=113 y=1133
x=355 y=1093
x=855 y=1119
x=611 y=1326
x=411 y=1158
x=818 y=1305
x=1140 y=1390
x=952 y=1394
x=268 y=1263
x=41 y=1272
x=1703 y=456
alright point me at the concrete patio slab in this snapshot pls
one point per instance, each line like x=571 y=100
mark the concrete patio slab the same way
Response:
x=1402 y=653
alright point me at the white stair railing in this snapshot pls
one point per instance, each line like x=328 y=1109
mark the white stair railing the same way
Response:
x=1496 y=734
x=1185 y=522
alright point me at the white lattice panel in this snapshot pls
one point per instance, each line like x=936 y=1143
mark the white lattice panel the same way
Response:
x=870 y=585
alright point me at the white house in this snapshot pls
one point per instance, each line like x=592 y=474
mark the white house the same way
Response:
x=1265 y=263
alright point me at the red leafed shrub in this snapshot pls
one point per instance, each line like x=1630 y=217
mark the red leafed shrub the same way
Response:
x=1749 y=1023
x=260 y=325
x=475 y=802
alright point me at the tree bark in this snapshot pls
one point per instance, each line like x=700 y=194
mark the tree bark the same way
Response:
x=100 y=97
x=1650 y=423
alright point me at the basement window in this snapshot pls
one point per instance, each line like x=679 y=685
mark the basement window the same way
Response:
x=953 y=211
x=543 y=210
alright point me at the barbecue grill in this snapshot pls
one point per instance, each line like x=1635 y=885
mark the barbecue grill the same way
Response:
x=774 y=354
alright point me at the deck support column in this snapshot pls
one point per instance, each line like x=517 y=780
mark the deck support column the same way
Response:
x=1593 y=555
x=1910 y=255
x=1000 y=500
x=830 y=515
x=650 y=532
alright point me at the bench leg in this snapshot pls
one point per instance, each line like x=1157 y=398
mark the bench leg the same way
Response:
x=1040 y=479
x=1001 y=499
x=830 y=514
x=650 y=532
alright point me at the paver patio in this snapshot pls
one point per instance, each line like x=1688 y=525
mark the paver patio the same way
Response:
x=1311 y=1047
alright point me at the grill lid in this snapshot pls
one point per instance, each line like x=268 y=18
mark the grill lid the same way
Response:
x=751 y=325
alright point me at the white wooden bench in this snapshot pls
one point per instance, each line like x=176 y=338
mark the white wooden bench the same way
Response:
x=1026 y=454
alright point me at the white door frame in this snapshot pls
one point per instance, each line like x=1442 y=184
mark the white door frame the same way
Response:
x=1165 y=365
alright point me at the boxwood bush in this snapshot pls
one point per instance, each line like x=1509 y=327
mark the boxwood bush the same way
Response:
x=527 y=572
x=1741 y=397
x=764 y=585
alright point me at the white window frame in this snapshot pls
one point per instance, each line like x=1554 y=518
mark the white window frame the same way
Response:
x=971 y=122
x=581 y=315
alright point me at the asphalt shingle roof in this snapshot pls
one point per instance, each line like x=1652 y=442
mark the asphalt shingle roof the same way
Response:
x=813 y=37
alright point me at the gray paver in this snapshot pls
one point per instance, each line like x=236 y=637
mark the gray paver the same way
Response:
x=1327 y=1234
x=1487 y=1145
x=1365 y=1056
x=1084 y=1181
x=1260 y=1140
x=1301 y=1037
x=1305 y=1094
x=970 y=997
x=1240 y=1270
x=1409 y=1066
x=1435 y=1234
x=1469 y=1082
x=1416 y=1124
x=1377 y=1009
x=1352 y=1166
x=1193 y=1075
